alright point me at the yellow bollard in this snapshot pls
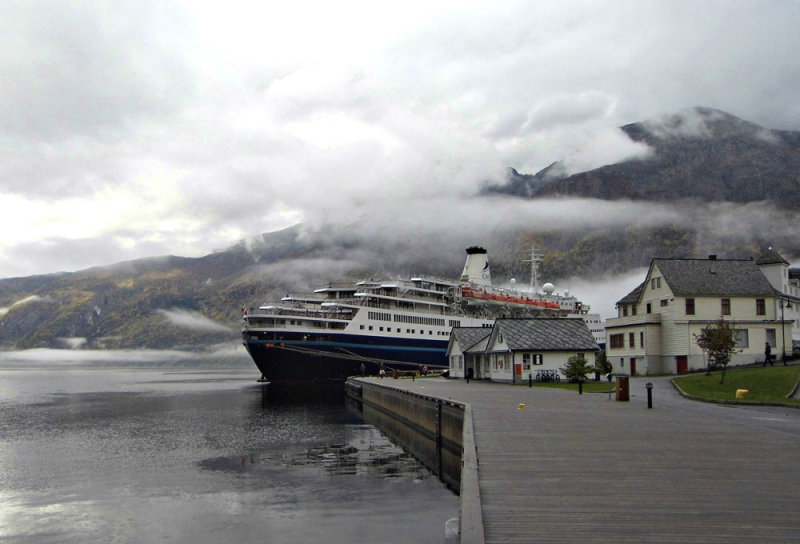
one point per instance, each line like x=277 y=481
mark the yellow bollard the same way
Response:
x=422 y=388
x=521 y=406
x=741 y=393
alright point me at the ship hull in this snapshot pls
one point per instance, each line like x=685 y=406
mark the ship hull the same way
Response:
x=307 y=360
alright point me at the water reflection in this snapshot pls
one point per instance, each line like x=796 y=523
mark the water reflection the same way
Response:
x=100 y=455
x=365 y=452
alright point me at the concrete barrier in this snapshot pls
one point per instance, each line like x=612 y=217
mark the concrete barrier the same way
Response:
x=437 y=432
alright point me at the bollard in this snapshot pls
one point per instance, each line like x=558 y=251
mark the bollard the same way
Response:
x=649 y=387
x=530 y=380
x=521 y=406
x=580 y=387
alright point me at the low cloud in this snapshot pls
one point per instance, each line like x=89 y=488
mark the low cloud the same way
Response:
x=182 y=137
x=192 y=320
x=216 y=354
x=27 y=300
x=73 y=342
x=602 y=293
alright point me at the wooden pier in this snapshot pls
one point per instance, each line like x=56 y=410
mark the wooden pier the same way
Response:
x=556 y=466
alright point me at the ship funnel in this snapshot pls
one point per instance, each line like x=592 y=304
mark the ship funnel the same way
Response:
x=476 y=269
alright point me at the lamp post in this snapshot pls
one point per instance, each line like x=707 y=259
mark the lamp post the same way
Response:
x=783 y=330
x=649 y=394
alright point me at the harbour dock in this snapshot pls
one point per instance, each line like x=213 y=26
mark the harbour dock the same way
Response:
x=556 y=466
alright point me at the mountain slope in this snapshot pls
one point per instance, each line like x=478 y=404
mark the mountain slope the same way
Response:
x=699 y=153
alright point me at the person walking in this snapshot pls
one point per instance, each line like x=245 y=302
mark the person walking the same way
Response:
x=768 y=355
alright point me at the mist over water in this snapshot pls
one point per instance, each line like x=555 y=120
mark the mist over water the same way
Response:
x=122 y=454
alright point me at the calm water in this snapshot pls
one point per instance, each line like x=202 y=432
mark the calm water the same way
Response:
x=159 y=455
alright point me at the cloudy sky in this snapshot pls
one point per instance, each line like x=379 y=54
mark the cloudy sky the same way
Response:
x=141 y=128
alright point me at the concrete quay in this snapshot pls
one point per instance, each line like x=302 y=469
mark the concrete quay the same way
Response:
x=586 y=468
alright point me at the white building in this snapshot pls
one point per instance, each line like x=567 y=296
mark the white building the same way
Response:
x=515 y=349
x=657 y=324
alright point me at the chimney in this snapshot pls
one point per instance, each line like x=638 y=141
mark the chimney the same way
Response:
x=476 y=269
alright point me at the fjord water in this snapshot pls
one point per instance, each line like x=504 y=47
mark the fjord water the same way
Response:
x=120 y=454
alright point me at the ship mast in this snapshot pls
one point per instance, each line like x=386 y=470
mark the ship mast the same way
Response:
x=535 y=258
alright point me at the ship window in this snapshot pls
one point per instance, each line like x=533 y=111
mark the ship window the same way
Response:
x=370 y=327
x=362 y=327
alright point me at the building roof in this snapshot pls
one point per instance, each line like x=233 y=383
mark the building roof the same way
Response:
x=633 y=296
x=547 y=334
x=770 y=256
x=467 y=337
x=714 y=277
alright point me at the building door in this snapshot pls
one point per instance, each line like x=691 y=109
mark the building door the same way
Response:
x=683 y=364
x=633 y=366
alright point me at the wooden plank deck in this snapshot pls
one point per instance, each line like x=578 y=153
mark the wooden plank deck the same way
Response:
x=583 y=468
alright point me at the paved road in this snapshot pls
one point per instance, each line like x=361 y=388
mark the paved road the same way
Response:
x=583 y=468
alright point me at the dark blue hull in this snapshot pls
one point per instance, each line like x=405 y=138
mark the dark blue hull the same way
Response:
x=331 y=358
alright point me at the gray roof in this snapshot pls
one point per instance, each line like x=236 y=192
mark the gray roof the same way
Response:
x=467 y=337
x=633 y=296
x=770 y=256
x=543 y=334
x=714 y=277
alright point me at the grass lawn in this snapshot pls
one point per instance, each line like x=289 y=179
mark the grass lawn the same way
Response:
x=588 y=387
x=770 y=384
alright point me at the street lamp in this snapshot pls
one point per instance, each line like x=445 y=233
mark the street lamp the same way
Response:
x=783 y=329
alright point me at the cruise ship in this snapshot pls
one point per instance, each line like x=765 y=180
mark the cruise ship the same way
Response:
x=345 y=329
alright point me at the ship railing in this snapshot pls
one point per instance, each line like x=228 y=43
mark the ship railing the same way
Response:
x=449 y=282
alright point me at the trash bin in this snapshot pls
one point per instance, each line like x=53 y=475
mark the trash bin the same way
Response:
x=623 y=388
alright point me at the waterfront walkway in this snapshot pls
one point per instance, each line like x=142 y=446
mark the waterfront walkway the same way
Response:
x=586 y=468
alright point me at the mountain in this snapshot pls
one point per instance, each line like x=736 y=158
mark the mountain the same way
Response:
x=700 y=153
x=697 y=158
x=167 y=302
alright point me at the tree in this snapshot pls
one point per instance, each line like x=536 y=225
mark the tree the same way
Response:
x=576 y=368
x=601 y=364
x=718 y=341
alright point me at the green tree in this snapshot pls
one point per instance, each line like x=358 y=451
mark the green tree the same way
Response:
x=601 y=364
x=718 y=342
x=576 y=368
